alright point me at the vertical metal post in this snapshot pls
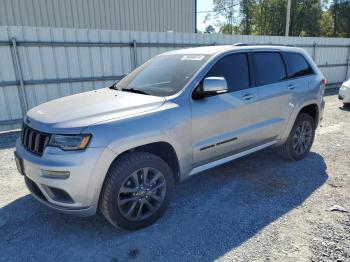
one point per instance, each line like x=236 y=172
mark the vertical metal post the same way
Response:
x=134 y=48
x=289 y=3
x=18 y=69
x=314 y=52
x=348 y=66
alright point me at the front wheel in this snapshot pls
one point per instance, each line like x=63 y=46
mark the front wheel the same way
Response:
x=137 y=190
x=300 y=139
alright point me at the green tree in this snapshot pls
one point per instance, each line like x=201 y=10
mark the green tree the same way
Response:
x=209 y=29
x=229 y=29
x=247 y=15
x=326 y=24
x=268 y=17
x=226 y=9
x=341 y=17
x=305 y=17
x=271 y=17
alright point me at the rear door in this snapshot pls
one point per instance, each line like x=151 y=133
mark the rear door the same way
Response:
x=300 y=75
x=224 y=123
x=275 y=95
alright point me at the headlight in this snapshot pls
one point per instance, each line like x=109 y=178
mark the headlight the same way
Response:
x=70 y=142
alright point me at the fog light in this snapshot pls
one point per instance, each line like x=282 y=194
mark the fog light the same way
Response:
x=55 y=174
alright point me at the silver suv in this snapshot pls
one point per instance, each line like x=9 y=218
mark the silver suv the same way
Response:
x=121 y=150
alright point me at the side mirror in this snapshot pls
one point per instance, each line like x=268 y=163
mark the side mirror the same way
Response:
x=214 y=85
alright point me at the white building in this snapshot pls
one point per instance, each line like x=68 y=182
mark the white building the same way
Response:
x=128 y=15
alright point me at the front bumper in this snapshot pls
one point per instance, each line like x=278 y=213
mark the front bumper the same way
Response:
x=79 y=193
x=344 y=94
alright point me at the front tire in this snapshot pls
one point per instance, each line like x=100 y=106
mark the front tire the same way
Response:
x=137 y=190
x=300 y=139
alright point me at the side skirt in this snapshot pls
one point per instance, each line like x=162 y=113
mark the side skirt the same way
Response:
x=215 y=163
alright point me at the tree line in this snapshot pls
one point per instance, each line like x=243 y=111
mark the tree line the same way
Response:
x=321 y=18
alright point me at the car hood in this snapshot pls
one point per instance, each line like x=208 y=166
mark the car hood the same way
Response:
x=74 y=113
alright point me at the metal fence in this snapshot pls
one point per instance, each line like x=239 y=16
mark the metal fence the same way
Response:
x=41 y=64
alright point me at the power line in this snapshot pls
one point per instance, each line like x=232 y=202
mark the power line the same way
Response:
x=198 y=12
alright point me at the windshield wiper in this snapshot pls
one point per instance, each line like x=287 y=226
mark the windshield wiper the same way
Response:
x=114 y=86
x=133 y=90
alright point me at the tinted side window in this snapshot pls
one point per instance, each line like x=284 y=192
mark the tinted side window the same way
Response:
x=234 y=68
x=269 y=68
x=297 y=65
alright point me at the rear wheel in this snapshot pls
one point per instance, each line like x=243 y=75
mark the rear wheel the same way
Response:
x=300 y=138
x=137 y=190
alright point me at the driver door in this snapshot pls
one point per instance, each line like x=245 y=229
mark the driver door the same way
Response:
x=223 y=124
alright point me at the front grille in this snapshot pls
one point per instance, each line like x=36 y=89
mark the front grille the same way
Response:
x=33 y=140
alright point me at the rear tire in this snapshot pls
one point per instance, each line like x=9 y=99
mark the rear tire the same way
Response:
x=300 y=139
x=137 y=190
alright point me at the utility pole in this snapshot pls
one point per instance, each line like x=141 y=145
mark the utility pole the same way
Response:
x=288 y=17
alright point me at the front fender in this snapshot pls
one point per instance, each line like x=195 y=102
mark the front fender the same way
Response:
x=170 y=124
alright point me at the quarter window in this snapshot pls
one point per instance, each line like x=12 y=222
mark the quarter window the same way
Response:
x=269 y=68
x=234 y=68
x=297 y=66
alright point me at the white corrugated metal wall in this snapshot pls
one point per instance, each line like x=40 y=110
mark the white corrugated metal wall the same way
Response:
x=68 y=61
x=132 y=15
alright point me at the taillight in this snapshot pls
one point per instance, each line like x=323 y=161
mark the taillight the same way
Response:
x=324 y=81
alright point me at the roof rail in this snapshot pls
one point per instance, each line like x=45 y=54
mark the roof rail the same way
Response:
x=258 y=44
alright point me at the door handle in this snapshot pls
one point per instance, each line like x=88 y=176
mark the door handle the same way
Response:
x=248 y=96
x=291 y=86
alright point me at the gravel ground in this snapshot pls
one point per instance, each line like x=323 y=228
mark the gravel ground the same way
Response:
x=258 y=208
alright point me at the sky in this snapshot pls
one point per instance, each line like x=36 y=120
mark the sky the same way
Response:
x=203 y=8
x=203 y=5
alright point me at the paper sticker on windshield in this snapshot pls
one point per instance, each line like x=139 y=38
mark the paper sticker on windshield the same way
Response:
x=193 y=57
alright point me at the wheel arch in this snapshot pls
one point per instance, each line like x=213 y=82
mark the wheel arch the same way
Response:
x=162 y=149
x=311 y=108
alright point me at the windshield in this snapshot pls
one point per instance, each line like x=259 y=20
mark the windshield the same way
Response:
x=164 y=75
